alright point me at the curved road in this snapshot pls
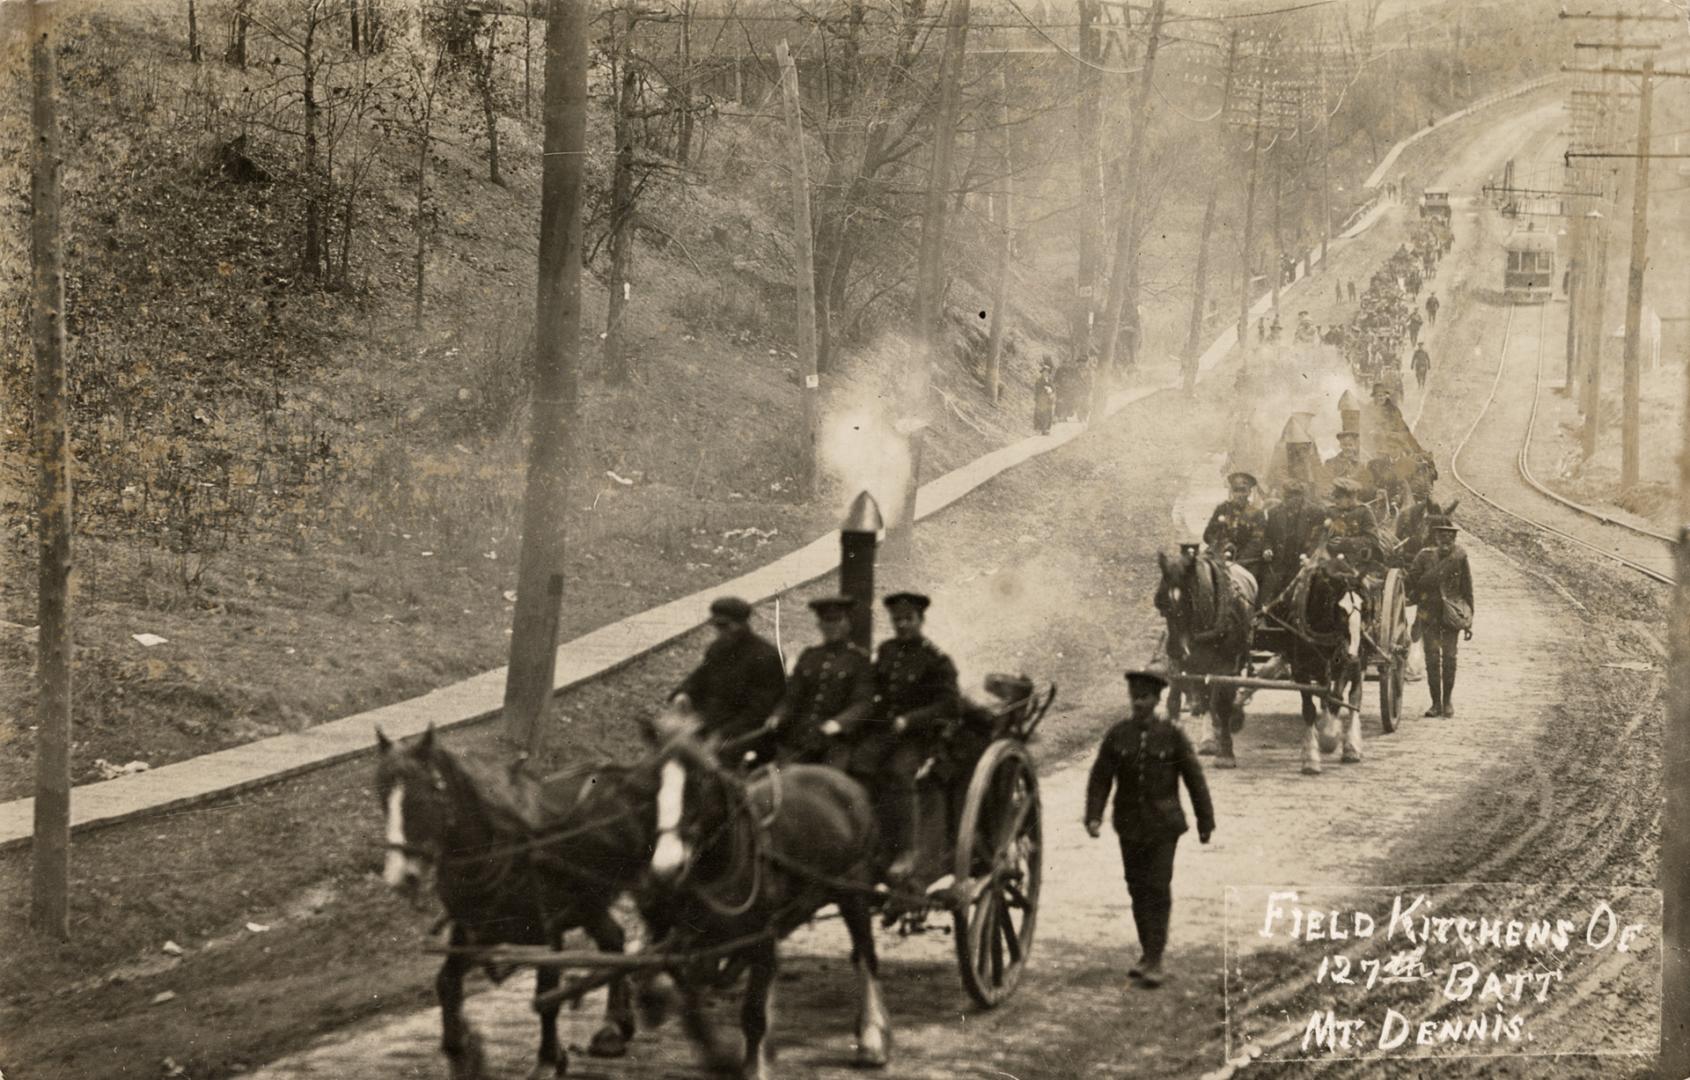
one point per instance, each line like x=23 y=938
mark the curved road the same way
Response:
x=1407 y=809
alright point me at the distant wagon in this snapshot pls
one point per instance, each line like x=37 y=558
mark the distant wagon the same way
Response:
x=1529 y=274
x=1434 y=202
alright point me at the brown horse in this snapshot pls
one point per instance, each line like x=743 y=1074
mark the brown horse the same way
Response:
x=1210 y=628
x=751 y=860
x=516 y=860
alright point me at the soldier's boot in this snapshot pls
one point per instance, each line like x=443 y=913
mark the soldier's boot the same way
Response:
x=1435 y=685
x=1141 y=924
x=1449 y=686
x=1150 y=970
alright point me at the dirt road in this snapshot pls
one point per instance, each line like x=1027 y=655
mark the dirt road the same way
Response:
x=1535 y=781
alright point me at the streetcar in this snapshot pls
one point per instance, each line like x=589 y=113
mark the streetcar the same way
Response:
x=1529 y=273
x=1434 y=202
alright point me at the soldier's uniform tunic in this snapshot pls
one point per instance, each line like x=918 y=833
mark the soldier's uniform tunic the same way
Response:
x=1432 y=577
x=1243 y=529
x=1145 y=761
x=829 y=682
x=1354 y=532
x=917 y=681
x=1293 y=530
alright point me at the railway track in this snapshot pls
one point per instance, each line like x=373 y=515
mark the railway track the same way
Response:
x=1632 y=559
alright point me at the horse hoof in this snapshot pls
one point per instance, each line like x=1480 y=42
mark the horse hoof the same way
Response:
x=1226 y=761
x=1350 y=758
x=547 y=1070
x=469 y=1063
x=871 y=1059
x=1311 y=770
x=608 y=1042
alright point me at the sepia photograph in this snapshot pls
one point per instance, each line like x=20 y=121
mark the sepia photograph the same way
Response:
x=979 y=539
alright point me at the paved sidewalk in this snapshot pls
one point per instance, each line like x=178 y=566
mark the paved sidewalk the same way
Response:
x=251 y=765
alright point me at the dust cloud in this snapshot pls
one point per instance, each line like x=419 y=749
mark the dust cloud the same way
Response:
x=859 y=445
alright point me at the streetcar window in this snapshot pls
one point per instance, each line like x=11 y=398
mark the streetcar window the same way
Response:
x=1513 y=261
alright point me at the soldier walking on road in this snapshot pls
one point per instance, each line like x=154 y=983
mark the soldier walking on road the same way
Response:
x=1144 y=758
x=1441 y=585
x=1351 y=287
x=1432 y=306
x=739 y=682
x=1422 y=366
x=829 y=694
x=1414 y=327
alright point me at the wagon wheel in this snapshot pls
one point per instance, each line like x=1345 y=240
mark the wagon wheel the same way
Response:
x=1393 y=650
x=999 y=851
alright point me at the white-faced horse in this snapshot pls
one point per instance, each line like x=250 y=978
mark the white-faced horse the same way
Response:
x=752 y=860
x=516 y=860
x=1330 y=609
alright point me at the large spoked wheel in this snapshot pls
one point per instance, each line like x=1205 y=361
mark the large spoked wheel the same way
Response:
x=1393 y=650
x=1000 y=849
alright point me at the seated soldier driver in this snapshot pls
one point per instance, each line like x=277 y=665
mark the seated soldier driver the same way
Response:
x=916 y=697
x=829 y=694
x=1351 y=529
x=1236 y=528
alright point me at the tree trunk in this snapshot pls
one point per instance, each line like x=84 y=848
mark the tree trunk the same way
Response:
x=621 y=207
x=193 y=34
x=421 y=264
x=313 y=258
x=806 y=279
x=1199 y=295
x=352 y=27
x=1091 y=201
x=484 y=69
x=49 y=910
x=527 y=58
x=1002 y=210
x=552 y=408
x=683 y=137
x=833 y=200
x=236 y=52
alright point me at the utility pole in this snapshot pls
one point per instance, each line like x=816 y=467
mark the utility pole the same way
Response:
x=1325 y=160
x=804 y=242
x=1634 y=280
x=1126 y=230
x=930 y=269
x=1577 y=253
x=1090 y=111
x=552 y=407
x=1249 y=226
x=1003 y=209
x=1674 y=1061
x=49 y=910
x=1200 y=289
x=1595 y=312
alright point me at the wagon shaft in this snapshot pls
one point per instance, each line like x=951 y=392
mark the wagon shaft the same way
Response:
x=1251 y=683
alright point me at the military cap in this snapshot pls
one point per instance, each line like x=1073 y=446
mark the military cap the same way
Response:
x=825 y=606
x=1349 y=434
x=1344 y=486
x=1240 y=479
x=912 y=599
x=1445 y=525
x=1293 y=486
x=1147 y=676
x=730 y=607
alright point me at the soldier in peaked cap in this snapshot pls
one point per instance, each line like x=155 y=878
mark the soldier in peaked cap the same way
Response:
x=740 y=680
x=1236 y=526
x=1440 y=584
x=1294 y=525
x=1351 y=529
x=1144 y=758
x=829 y=694
x=915 y=697
x=1347 y=463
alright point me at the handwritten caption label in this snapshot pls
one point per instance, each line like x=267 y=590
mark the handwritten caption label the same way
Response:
x=1442 y=970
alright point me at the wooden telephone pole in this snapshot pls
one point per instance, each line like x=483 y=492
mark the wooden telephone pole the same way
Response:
x=49 y=910
x=1634 y=289
x=1003 y=210
x=1674 y=1062
x=552 y=408
x=1200 y=289
x=1126 y=230
x=1089 y=113
x=930 y=269
x=803 y=241
x=1249 y=227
